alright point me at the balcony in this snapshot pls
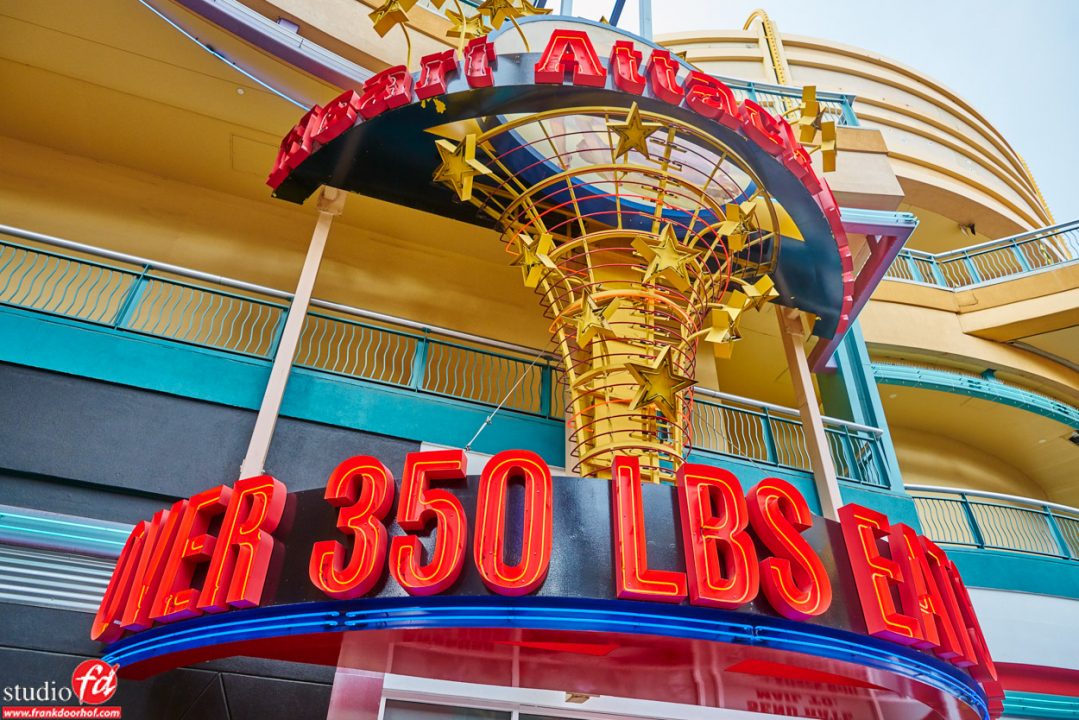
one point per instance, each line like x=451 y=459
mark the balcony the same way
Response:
x=1004 y=541
x=1005 y=259
x=442 y=385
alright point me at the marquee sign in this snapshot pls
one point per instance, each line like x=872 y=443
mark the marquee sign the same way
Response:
x=520 y=538
x=648 y=204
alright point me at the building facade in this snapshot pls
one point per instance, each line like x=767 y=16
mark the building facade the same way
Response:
x=547 y=241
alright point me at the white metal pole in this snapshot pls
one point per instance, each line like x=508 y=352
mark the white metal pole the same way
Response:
x=645 y=15
x=330 y=203
x=567 y=7
x=820 y=457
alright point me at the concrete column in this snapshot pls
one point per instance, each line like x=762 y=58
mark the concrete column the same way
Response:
x=330 y=203
x=792 y=332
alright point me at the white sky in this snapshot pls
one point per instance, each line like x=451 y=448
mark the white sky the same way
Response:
x=1016 y=62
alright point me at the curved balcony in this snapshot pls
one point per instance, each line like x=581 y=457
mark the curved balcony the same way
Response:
x=466 y=377
x=1003 y=541
x=994 y=261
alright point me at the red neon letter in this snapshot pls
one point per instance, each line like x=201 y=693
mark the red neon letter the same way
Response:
x=490 y=543
x=176 y=599
x=634 y=580
x=794 y=580
x=418 y=505
x=984 y=670
x=160 y=536
x=479 y=54
x=363 y=488
x=938 y=563
x=237 y=575
x=663 y=72
x=875 y=574
x=570 y=50
x=433 y=71
x=712 y=99
x=338 y=116
x=388 y=89
x=919 y=595
x=106 y=626
x=296 y=147
x=721 y=561
x=625 y=67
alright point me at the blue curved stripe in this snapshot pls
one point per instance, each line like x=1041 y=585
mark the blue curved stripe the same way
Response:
x=612 y=616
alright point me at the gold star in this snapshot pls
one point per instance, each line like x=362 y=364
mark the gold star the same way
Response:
x=534 y=257
x=633 y=134
x=498 y=11
x=527 y=8
x=389 y=14
x=809 y=114
x=466 y=27
x=828 y=146
x=735 y=227
x=724 y=330
x=459 y=165
x=754 y=296
x=659 y=383
x=668 y=258
x=594 y=320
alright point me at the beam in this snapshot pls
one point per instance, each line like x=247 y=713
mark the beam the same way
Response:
x=792 y=331
x=330 y=204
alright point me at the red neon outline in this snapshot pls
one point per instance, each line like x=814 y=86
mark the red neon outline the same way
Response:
x=419 y=504
x=721 y=560
x=433 y=71
x=479 y=54
x=106 y=626
x=246 y=545
x=155 y=553
x=778 y=513
x=625 y=64
x=363 y=488
x=663 y=77
x=874 y=574
x=634 y=580
x=193 y=546
x=489 y=545
x=570 y=50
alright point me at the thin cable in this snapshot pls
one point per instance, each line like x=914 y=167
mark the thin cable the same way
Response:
x=221 y=57
x=513 y=389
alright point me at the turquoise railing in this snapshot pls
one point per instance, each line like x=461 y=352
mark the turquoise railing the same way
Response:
x=991 y=521
x=773 y=435
x=134 y=295
x=985 y=387
x=992 y=261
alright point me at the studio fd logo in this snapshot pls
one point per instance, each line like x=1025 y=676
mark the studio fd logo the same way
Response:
x=94 y=681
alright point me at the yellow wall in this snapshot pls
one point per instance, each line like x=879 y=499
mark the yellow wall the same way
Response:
x=932 y=459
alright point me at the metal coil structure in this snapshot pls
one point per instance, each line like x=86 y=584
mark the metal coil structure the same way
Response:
x=632 y=227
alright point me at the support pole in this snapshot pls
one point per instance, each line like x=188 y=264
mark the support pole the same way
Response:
x=330 y=204
x=792 y=332
x=645 y=19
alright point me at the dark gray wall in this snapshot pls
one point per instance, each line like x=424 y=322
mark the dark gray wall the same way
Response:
x=94 y=449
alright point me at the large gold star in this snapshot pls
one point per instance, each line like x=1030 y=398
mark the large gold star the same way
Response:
x=724 y=329
x=594 y=320
x=668 y=258
x=459 y=165
x=633 y=134
x=389 y=14
x=533 y=255
x=659 y=383
x=466 y=27
x=498 y=11
x=809 y=114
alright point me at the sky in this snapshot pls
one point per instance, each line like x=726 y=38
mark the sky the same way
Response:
x=1015 y=62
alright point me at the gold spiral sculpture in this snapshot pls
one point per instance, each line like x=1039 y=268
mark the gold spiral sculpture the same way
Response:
x=641 y=235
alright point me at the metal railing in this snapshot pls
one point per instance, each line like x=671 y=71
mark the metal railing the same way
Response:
x=139 y=296
x=131 y=294
x=991 y=261
x=985 y=387
x=986 y=520
x=773 y=435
